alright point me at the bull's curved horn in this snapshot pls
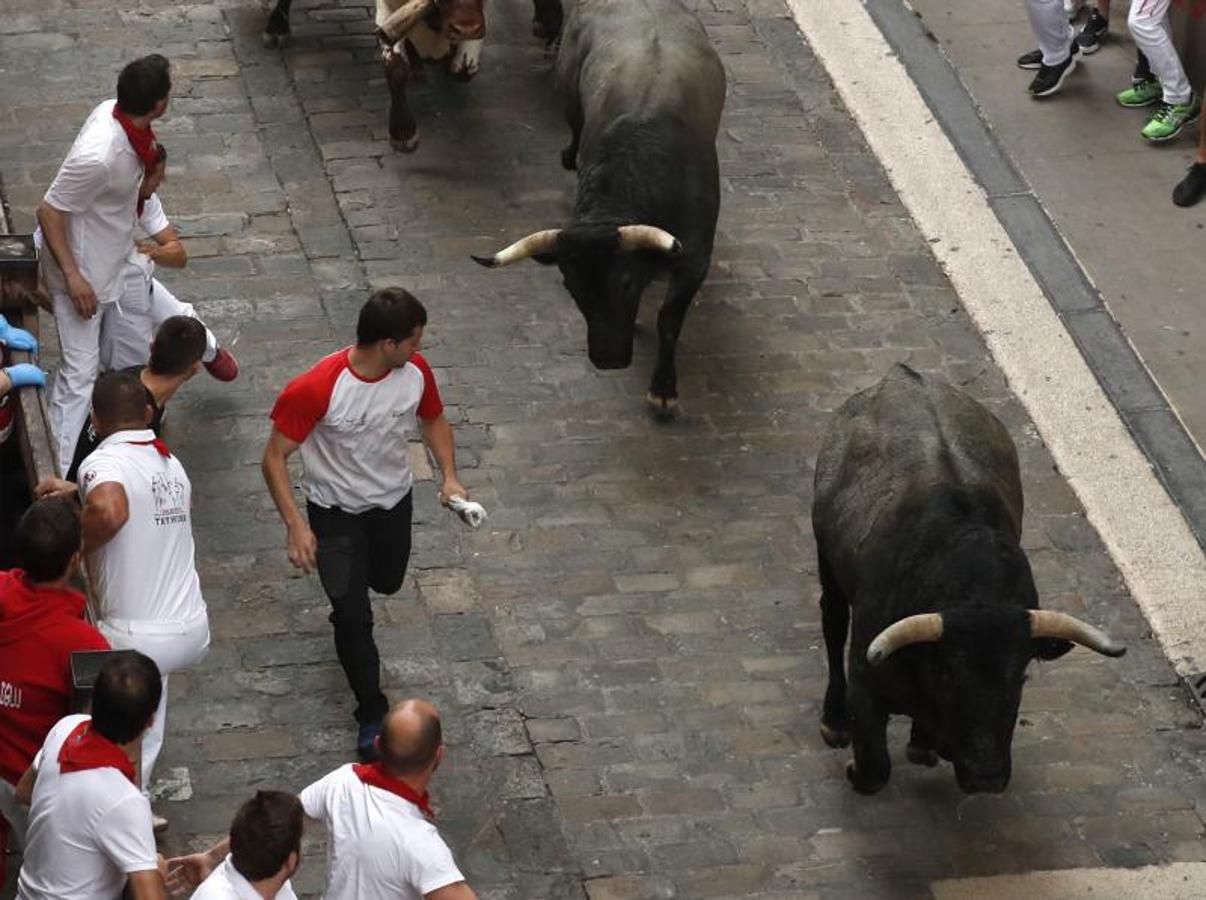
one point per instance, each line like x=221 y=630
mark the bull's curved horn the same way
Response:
x=921 y=629
x=1047 y=624
x=524 y=248
x=648 y=237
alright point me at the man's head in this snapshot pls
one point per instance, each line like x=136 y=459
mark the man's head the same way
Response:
x=125 y=696
x=154 y=178
x=48 y=540
x=265 y=836
x=143 y=86
x=392 y=319
x=178 y=346
x=119 y=403
x=411 y=742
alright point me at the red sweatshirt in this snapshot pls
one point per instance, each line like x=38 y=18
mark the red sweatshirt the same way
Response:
x=39 y=629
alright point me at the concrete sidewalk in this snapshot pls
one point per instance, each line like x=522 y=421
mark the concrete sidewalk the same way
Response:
x=1108 y=192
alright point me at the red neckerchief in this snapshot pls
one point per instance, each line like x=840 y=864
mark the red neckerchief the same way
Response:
x=85 y=749
x=160 y=447
x=143 y=141
x=375 y=775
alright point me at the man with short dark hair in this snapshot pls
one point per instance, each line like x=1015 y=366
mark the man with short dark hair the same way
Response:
x=381 y=841
x=86 y=222
x=90 y=829
x=258 y=859
x=176 y=354
x=41 y=625
x=351 y=415
x=138 y=540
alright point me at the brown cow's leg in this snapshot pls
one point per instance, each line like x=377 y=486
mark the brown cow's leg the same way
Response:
x=403 y=130
x=276 y=32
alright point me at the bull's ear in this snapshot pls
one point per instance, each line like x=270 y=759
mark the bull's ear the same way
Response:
x=545 y=259
x=1051 y=648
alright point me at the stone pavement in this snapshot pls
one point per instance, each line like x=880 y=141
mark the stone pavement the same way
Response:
x=628 y=653
x=1106 y=189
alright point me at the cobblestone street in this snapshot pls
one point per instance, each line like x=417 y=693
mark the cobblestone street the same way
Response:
x=628 y=655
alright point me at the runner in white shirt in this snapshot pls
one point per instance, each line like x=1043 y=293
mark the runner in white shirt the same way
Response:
x=381 y=840
x=138 y=540
x=351 y=416
x=86 y=221
x=127 y=326
x=89 y=825
x=262 y=852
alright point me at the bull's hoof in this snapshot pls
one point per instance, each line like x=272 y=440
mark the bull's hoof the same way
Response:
x=405 y=145
x=463 y=75
x=921 y=756
x=270 y=40
x=664 y=409
x=569 y=158
x=863 y=785
x=835 y=737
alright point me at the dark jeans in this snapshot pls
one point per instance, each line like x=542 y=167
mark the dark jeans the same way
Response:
x=358 y=551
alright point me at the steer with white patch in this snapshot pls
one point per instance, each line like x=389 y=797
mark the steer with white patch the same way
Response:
x=412 y=31
x=918 y=519
x=643 y=90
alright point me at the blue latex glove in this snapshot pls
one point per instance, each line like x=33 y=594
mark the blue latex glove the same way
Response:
x=25 y=375
x=17 y=338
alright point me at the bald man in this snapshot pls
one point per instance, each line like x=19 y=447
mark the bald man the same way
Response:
x=382 y=843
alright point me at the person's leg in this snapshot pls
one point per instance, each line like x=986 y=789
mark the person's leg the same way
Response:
x=164 y=305
x=389 y=545
x=125 y=338
x=71 y=396
x=342 y=568
x=1051 y=29
x=1192 y=187
x=1149 y=26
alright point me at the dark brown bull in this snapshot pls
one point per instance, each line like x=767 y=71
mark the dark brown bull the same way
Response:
x=411 y=32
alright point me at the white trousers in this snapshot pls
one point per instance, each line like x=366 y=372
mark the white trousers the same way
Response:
x=1051 y=28
x=79 y=364
x=1149 y=25
x=173 y=646
x=125 y=336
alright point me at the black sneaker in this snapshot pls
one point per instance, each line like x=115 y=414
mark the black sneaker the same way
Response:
x=1031 y=60
x=1192 y=186
x=1051 y=78
x=1093 y=35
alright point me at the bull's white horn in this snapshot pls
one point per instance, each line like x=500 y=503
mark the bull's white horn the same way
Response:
x=524 y=248
x=648 y=237
x=1047 y=624
x=921 y=629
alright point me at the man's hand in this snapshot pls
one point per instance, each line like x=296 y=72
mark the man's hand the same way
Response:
x=185 y=873
x=25 y=375
x=55 y=487
x=16 y=338
x=452 y=487
x=303 y=547
x=147 y=248
x=83 y=298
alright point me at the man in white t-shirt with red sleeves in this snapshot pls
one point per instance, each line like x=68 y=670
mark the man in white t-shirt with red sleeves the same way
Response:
x=351 y=415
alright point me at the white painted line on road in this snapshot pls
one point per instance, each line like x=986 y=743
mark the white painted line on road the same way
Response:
x=1140 y=525
x=1179 y=881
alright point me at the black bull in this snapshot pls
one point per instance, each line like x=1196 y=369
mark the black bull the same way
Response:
x=643 y=90
x=918 y=519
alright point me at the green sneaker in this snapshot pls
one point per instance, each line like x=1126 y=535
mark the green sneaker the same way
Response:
x=1169 y=118
x=1140 y=93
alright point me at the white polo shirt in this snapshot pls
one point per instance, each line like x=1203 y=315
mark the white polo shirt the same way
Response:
x=353 y=432
x=226 y=883
x=87 y=830
x=148 y=571
x=97 y=186
x=379 y=846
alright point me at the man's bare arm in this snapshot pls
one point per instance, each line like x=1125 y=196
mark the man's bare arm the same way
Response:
x=437 y=434
x=165 y=249
x=106 y=510
x=54 y=234
x=146 y=885
x=458 y=891
x=302 y=545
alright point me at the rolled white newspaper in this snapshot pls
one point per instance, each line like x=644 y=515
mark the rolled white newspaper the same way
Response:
x=471 y=512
